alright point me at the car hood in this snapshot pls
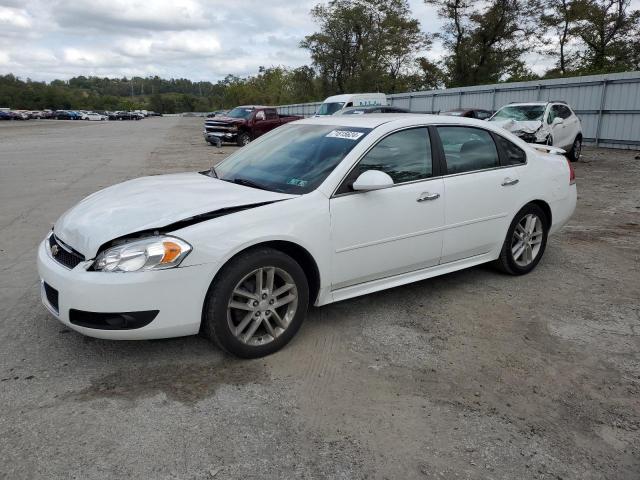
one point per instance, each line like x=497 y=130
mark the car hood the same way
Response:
x=226 y=120
x=530 y=126
x=150 y=203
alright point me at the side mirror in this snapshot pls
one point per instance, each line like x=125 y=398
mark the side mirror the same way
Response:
x=557 y=121
x=372 y=180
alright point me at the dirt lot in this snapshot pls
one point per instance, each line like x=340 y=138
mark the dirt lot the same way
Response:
x=474 y=375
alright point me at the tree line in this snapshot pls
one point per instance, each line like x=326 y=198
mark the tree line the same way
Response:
x=377 y=45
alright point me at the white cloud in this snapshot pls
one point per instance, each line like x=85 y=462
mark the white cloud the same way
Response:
x=136 y=14
x=14 y=18
x=196 y=39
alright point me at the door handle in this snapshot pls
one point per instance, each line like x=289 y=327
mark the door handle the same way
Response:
x=508 y=181
x=424 y=196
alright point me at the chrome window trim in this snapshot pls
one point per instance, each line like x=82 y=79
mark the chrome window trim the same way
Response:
x=499 y=167
x=399 y=129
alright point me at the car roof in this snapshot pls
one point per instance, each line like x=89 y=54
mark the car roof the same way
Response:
x=374 y=120
x=349 y=96
x=253 y=106
x=517 y=104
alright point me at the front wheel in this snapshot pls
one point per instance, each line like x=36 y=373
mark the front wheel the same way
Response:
x=243 y=139
x=525 y=243
x=256 y=304
x=576 y=150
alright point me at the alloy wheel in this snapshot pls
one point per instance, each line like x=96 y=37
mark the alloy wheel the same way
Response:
x=527 y=240
x=262 y=306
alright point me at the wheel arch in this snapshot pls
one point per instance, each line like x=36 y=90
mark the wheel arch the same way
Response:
x=295 y=251
x=546 y=208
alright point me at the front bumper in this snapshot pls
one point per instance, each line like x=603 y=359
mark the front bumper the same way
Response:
x=224 y=136
x=177 y=294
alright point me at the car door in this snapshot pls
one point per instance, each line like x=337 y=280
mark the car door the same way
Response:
x=560 y=132
x=481 y=190
x=260 y=123
x=394 y=230
x=571 y=125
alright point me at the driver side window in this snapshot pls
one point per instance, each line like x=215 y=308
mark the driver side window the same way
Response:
x=405 y=156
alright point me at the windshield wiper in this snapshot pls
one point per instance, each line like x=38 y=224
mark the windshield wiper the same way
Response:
x=250 y=183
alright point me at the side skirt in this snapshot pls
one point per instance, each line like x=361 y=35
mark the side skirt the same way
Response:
x=403 y=279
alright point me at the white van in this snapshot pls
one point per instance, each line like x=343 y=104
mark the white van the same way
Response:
x=338 y=102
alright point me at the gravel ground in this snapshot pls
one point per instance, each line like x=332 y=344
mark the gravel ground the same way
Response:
x=472 y=375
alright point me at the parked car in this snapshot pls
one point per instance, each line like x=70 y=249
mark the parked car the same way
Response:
x=5 y=115
x=121 y=115
x=20 y=115
x=375 y=109
x=478 y=113
x=244 y=124
x=93 y=116
x=67 y=115
x=314 y=212
x=548 y=123
x=335 y=103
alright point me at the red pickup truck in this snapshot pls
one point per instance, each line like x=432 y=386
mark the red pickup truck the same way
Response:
x=243 y=124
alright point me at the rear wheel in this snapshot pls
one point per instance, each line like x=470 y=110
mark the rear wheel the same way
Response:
x=576 y=150
x=525 y=242
x=256 y=304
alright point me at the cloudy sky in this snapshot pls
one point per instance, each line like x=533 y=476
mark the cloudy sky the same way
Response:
x=196 y=39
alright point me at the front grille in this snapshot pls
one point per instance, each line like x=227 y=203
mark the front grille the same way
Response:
x=51 y=294
x=219 y=127
x=63 y=254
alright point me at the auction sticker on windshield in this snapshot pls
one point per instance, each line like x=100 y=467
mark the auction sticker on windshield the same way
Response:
x=346 y=134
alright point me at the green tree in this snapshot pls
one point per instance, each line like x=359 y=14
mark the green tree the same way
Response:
x=364 y=44
x=609 y=31
x=559 y=17
x=486 y=40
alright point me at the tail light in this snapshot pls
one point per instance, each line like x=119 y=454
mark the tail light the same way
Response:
x=572 y=173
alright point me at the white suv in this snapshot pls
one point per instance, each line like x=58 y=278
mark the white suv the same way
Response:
x=548 y=123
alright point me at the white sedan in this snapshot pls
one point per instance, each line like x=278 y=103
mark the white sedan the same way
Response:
x=94 y=116
x=314 y=212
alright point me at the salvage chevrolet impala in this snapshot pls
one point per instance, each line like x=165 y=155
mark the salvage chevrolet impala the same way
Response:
x=314 y=212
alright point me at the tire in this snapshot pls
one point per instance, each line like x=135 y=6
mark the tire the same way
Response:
x=264 y=329
x=576 y=150
x=243 y=139
x=509 y=261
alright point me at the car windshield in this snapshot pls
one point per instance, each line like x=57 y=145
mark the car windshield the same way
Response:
x=239 y=112
x=521 y=113
x=329 y=108
x=291 y=159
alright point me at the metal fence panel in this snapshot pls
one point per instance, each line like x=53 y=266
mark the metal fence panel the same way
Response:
x=608 y=105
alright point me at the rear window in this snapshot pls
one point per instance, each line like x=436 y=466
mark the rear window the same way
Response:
x=514 y=155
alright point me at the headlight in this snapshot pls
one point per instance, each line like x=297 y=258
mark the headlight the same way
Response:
x=153 y=253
